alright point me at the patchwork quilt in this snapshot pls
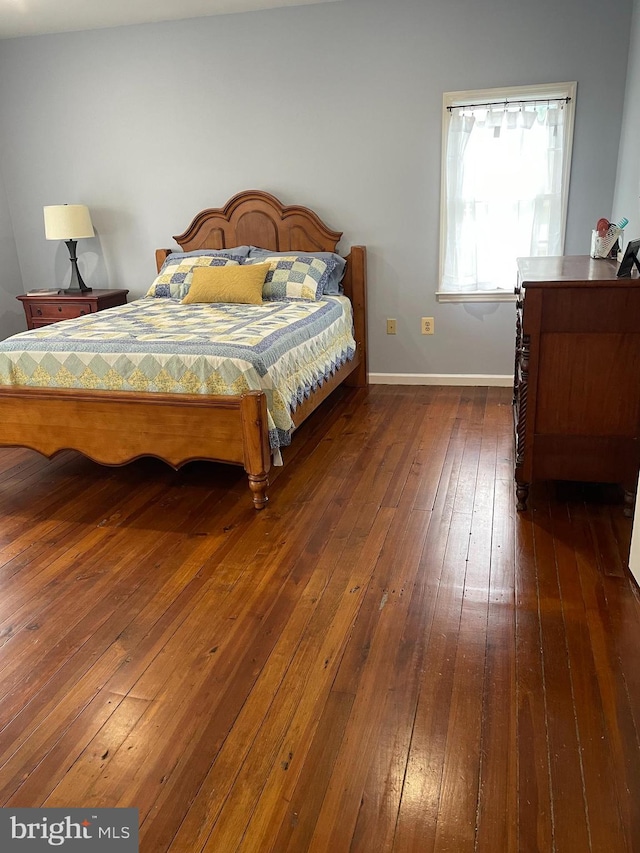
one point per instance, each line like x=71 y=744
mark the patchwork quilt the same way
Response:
x=286 y=349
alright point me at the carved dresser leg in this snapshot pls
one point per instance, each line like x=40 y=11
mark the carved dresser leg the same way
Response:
x=522 y=495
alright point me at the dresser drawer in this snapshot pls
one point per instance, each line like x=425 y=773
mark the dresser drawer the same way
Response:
x=53 y=312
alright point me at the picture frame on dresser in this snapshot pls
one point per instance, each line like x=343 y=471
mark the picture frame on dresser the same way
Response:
x=629 y=259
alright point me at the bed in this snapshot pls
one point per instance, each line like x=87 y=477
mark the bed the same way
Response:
x=114 y=427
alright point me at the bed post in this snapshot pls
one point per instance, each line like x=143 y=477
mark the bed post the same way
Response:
x=257 y=452
x=161 y=257
x=355 y=287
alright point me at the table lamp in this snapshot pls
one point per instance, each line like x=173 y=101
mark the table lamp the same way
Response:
x=69 y=222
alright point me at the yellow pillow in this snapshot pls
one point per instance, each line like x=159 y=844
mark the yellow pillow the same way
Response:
x=241 y=284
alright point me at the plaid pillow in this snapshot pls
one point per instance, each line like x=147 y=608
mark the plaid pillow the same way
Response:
x=174 y=278
x=295 y=277
x=334 y=277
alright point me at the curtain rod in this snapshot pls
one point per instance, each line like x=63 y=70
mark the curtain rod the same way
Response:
x=506 y=102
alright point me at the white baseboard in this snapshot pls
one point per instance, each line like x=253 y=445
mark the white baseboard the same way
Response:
x=441 y=379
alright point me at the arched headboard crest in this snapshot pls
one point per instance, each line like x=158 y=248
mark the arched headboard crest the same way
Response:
x=257 y=218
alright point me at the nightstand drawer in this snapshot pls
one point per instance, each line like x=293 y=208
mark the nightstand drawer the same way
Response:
x=52 y=312
x=42 y=309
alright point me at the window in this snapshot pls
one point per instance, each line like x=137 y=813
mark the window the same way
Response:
x=505 y=181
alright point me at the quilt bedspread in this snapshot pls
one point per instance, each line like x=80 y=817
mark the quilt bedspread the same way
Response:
x=285 y=349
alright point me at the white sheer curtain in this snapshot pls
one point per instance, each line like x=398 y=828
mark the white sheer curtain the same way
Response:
x=503 y=192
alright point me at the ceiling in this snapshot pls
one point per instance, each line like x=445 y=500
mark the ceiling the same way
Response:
x=36 y=17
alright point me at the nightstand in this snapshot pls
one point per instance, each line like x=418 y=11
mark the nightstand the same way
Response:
x=42 y=310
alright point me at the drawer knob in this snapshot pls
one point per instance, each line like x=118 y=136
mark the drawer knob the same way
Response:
x=39 y=311
x=59 y=308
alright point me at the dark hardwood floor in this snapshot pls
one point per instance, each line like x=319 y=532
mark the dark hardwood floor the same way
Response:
x=388 y=658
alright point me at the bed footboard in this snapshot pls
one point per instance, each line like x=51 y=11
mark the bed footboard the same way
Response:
x=114 y=428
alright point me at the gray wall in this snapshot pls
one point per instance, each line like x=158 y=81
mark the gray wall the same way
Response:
x=11 y=313
x=336 y=106
x=626 y=201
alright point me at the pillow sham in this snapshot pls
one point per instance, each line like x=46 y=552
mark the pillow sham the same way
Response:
x=337 y=265
x=293 y=277
x=174 y=278
x=234 y=253
x=237 y=284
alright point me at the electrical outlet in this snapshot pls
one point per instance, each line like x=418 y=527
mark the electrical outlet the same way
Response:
x=391 y=327
x=428 y=326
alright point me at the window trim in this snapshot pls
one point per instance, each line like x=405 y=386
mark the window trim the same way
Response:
x=476 y=96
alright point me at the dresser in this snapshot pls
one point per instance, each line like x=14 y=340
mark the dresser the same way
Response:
x=43 y=309
x=577 y=374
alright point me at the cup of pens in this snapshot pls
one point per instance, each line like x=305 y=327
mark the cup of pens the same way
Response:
x=605 y=238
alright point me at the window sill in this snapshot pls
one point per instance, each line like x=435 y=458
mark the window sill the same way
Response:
x=476 y=296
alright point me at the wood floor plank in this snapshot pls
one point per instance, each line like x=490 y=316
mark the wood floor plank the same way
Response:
x=599 y=592
x=34 y=717
x=297 y=827
x=418 y=814
x=303 y=811
x=535 y=804
x=147 y=634
x=496 y=819
x=423 y=787
x=319 y=659
x=570 y=825
x=387 y=658
x=373 y=758
x=604 y=818
x=100 y=564
x=456 y=821
x=336 y=607
x=206 y=765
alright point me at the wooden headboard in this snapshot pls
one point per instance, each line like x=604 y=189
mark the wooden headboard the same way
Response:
x=256 y=218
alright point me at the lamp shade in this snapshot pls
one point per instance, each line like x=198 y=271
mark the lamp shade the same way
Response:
x=67 y=222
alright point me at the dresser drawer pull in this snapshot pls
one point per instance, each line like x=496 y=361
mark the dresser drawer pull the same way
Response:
x=59 y=308
x=39 y=311
x=82 y=311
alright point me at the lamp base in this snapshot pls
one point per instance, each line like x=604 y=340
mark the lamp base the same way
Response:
x=77 y=284
x=77 y=290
